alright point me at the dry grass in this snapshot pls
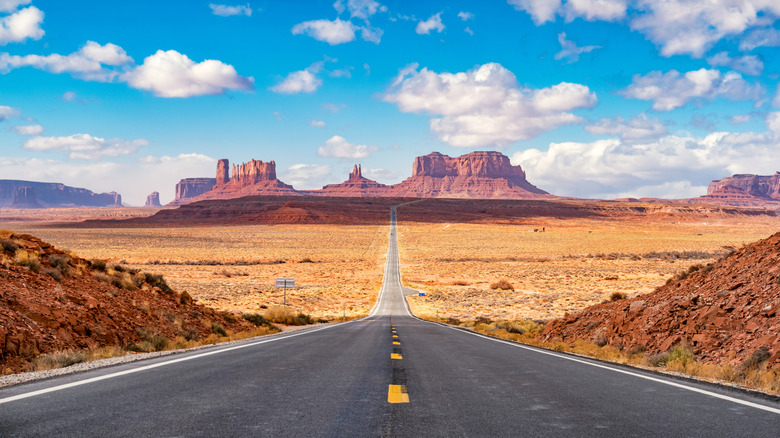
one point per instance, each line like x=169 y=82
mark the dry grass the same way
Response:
x=337 y=269
x=573 y=264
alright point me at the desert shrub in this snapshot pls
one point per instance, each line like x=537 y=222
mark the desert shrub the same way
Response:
x=280 y=315
x=257 y=319
x=452 y=321
x=118 y=268
x=61 y=262
x=157 y=280
x=502 y=284
x=185 y=298
x=460 y=283
x=617 y=296
x=53 y=273
x=9 y=245
x=28 y=260
x=58 y=359
x=511 y=327
x=482 y=320
x=755 y=360
x=98 y=264
x=101 y=276
x=217 y=329
x=189 y=334
x=151 y=340
x=307 y=260
x=600 y=340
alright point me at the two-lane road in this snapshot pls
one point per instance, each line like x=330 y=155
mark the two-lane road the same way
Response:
x=387 y=375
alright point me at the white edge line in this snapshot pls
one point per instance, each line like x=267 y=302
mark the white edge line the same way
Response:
x=618 y=370
x=159 y=364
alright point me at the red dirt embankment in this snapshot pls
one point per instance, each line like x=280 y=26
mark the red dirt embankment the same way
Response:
x=724 y=311
x=51 y=301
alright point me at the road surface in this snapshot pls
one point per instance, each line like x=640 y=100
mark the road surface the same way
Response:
x=386 y=375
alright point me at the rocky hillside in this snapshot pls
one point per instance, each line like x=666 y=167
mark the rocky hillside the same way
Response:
x=51 y=300
x=725 y=311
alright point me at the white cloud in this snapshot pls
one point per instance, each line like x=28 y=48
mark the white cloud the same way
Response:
x=317 y=124
x=92 y=62
x=332 y=32
x=432 y=23
x=468 y=31
x=607 y=10
x=773 y=123
x=302 y=81
x=7 y=112
x=172 y=74
x=28 y=129
x=465 y=16
x=227 y=11
x=767 y=37
x=671 y=90
x=384 y=176
x=363 y=9
x=307 y=176
x=541 y=11
x=11 y=5
x=776 y=100
x=85 y=146
x=338 y=147
x=485 y=106
x=21 y=25
x=740 y=118
x=637 y=128
x=371 y=34
x=748 y=64
x=670 y=167
x=570 y=51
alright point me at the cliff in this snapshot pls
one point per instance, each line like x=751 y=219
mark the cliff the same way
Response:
x=153 y=200
x=356 y=186
x=30 y=194
x=744 y=190
x=191 y=187
x=485 y=175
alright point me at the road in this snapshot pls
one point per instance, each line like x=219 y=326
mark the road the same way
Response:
x=389 y=374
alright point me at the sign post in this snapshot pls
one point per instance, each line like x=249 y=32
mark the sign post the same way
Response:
x=285 y=283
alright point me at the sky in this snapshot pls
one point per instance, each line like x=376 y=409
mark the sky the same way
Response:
x=593 y=98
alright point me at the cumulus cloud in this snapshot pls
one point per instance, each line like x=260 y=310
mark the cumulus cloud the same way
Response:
x=766 y=37
x=773 y=123
x=11 y=5
x=338 y=147
x=302 y=81
x=85 y=146
x=569 y=50
x=93 y=61
x=465 y=16
x=332 y=32
x=485 y=106
x=307 y=176
x=28 y=129
x=432 y=23
x=748 y=64
x=172 y=74
x=7 y=112
x=227 y=11
x=672 y=90
x=21 y=25
x=637 y=128
x=317 y=124
x=677 y=26
x=669 y=167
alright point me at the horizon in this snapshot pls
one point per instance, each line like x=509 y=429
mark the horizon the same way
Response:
x=609 y=99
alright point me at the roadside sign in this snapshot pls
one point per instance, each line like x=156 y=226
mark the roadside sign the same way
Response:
x=285 y=282
x=422 y=294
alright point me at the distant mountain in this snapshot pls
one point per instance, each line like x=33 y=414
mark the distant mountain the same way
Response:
x=745 y=190
x=30 y=194
x=477 y=175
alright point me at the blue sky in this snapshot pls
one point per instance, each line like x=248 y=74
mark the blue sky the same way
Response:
x=594 y=98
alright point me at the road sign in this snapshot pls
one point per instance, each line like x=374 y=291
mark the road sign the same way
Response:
x=422 y=294
x=285 y=282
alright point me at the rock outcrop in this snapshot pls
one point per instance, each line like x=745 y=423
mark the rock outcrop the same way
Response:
x=189 y=188
x=729 y=307
x=744 y=190
x=356 y=186
x=485 y=175
x=153 y=200
x=31 y=194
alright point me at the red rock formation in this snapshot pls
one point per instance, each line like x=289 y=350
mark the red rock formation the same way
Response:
x=732 y=306
x=223 y=172
x=356 y=186
x=50 y=195
x=486 y=174
x=191 y=187
x=153 y=200
x=744 y=190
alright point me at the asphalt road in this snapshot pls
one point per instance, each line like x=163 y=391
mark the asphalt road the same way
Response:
x=387 y=375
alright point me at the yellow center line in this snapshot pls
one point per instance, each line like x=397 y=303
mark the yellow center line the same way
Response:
x=395 y=356
x=395 y=336
x=397 y=394
x=396 y=343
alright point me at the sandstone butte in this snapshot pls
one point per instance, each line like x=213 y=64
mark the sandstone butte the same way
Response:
x=482 y=175
x=30 y=194
x=63 y=304
x=729 y=307
x=153 y=200
x=744 y=190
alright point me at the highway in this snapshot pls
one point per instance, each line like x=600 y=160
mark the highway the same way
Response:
x=389 y=374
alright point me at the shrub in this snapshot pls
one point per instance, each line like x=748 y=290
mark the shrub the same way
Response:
x=61 y=262
x=217 y=329
x=53 y=273
x=157 y=280
x=100 y=276
x=58 y=359
x=280 y=315
x=502 y=284
x=755 y=360
x=306 y=260
x=617 y=296
x=151 y=340
x=189 y=334
x=29 y=260
x=257 y=319
x=9 y=245
x=100 y=265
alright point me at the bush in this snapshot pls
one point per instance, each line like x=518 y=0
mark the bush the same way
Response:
x=157 y=280
x=502 y=284
x=100 y=265
x=256 y=319
x=53 y=273
x=29 y=260
x=58 y=359
x=9 y=245
x=307 y=260
x=755 y=360
x=280 y=315
x=151 y=340
x=617 y=296
x=217 y=329
x=61 y=262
